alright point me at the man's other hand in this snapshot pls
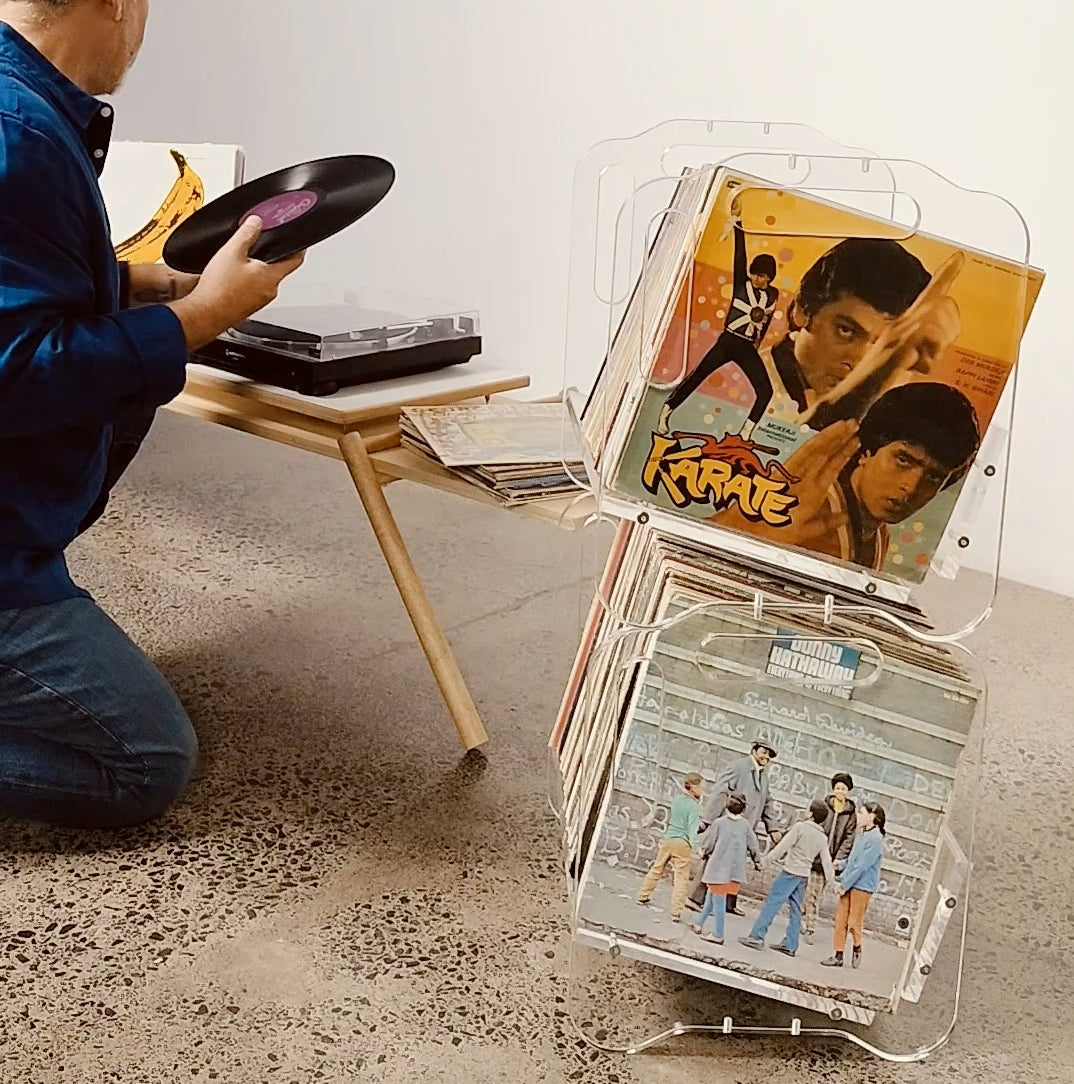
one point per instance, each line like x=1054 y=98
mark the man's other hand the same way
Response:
x=232 y=288
x=157 y=284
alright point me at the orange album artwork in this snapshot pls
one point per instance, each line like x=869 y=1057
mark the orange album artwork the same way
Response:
x=825 y=380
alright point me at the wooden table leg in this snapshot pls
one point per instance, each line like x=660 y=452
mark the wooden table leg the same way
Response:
x=437 y=650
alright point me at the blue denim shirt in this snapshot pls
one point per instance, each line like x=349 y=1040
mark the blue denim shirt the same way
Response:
x=72 y=358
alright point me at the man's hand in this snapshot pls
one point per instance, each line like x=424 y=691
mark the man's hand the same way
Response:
x=156 y=284
x=817 y=465
x=232 y=288
x=913 y=342
x=734 y=211
x=935 y=329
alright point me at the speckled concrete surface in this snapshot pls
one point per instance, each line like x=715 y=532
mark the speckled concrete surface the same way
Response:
x=342 y=897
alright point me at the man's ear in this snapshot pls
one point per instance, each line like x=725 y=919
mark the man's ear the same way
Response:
x=115 y=9
x=795 y=317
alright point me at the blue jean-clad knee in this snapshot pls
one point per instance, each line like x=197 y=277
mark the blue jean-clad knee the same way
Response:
x=794 y=923
x=91 y=734
x=782 y=888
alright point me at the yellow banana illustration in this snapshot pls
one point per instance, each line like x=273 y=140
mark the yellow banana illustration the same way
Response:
x=186 y=196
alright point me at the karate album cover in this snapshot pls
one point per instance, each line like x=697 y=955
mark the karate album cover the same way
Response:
x=825 y=380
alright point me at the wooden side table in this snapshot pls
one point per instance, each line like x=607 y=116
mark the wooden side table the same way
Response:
x=360 y=427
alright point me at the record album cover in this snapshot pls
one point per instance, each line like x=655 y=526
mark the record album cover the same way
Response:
x=778 y=804
x=488 y=434
x=150 y=188
x=823 y=380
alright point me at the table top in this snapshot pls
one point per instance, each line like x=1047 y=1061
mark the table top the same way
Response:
x=310 y=423
x=366 y=401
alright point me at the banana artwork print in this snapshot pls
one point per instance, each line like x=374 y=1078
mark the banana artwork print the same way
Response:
x=187 y=195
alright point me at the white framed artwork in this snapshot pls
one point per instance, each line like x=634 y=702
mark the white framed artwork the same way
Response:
x=150 y=188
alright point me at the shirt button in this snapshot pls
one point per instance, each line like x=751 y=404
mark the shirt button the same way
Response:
x=98 y=153
x=106 y=111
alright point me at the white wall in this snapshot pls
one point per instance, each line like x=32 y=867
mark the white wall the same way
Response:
x=485 y=106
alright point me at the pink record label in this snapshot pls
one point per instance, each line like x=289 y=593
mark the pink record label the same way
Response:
x=284 y=208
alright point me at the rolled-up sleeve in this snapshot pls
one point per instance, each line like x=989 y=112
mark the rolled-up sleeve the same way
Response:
x=63 y=365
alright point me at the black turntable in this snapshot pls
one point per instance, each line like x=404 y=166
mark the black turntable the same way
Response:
x=342 y=339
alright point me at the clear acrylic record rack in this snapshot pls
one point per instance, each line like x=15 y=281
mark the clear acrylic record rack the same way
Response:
x=692 y=692
x=700 y=641
x=624 y=201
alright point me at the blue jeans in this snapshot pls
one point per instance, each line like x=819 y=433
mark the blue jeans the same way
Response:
x=785 y=889
x=91 y=735
x=717 y=907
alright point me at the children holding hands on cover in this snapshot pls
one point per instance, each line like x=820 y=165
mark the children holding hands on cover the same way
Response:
x=677 y=847
x=858 y=881
x=727 y=841
x=799 y=848
x=808 y=845
x=840 y=828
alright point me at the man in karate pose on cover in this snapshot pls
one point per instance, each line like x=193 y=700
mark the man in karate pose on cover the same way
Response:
x=753 y=302
x=91 y=735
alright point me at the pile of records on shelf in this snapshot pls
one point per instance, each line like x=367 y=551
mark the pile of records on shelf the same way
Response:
x=519 y=452
x=759 y=748
x=677 y=676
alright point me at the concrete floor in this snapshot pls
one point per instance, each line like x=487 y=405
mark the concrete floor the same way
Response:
x=340 y=897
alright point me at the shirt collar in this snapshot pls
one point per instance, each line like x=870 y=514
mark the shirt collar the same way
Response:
x=81 y=109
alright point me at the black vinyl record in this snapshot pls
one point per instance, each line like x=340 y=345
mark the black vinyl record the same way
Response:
x=299 y=207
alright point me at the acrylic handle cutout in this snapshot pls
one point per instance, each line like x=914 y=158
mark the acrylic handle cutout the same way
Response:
x=877 y=203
